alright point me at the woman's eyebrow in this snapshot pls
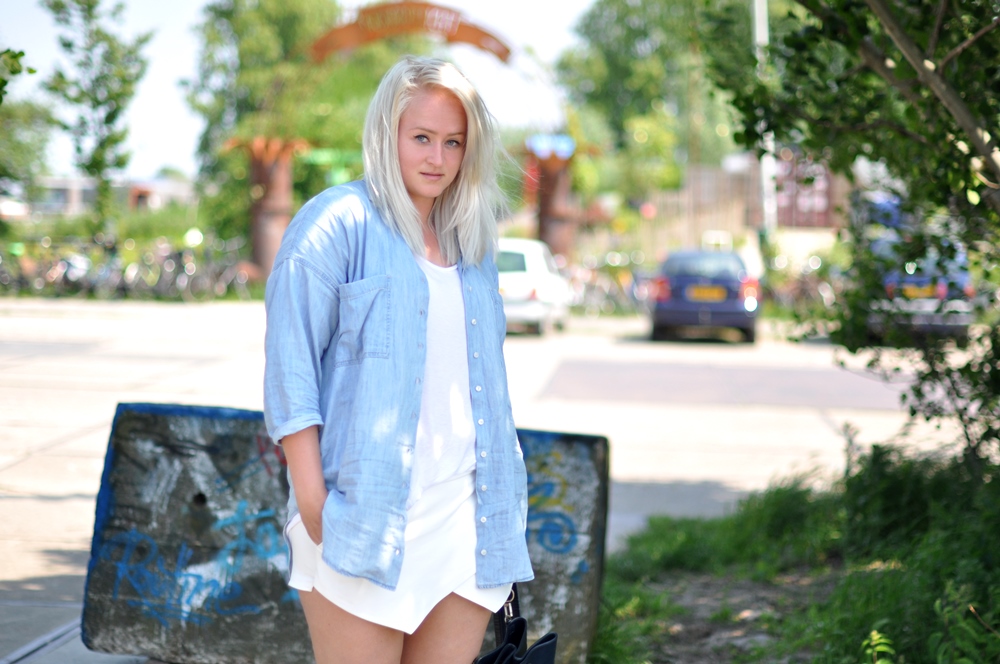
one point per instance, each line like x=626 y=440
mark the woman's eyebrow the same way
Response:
x=431 y=131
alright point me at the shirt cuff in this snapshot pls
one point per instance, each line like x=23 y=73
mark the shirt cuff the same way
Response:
x=294 y=426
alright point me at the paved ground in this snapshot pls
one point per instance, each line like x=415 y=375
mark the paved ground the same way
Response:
x=685 y=441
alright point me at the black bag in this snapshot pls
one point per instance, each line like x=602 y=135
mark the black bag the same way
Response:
x=511 y=634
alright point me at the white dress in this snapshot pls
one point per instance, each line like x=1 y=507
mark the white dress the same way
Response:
x=440 y=538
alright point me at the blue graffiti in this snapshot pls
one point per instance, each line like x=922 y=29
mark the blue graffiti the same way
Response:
x=581 y=572
x=265 y=544
x=554 y=530
x=168 y=592
x=192 y=593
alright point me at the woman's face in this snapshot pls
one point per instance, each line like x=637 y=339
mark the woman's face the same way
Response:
x=431 y=139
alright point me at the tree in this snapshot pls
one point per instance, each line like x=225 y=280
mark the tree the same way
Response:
x=643 y=58
x=912 y=86
x=25 y=129
x=10 y=66
x=105 y=72
x=848 y=77
x=264 y=99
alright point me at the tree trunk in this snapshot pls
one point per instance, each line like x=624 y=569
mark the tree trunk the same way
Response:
x=271 y=191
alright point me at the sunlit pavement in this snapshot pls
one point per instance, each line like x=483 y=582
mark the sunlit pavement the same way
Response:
x=693 y=425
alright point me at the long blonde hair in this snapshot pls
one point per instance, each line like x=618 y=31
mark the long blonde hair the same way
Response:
x=465 y=215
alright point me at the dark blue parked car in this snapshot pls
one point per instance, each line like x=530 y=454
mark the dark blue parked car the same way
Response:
x=707 y=289
x=930 y=295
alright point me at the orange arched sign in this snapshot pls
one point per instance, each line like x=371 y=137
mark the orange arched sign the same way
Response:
x=397 y=18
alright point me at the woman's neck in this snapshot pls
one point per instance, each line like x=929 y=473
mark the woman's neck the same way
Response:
x=432 y=248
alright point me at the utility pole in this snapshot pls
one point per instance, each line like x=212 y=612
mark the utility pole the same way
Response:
x=768 y=167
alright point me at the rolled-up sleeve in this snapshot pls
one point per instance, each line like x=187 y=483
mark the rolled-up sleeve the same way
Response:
x=302 y=315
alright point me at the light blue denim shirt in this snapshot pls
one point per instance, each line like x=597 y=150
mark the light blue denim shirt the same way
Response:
x=345 y=349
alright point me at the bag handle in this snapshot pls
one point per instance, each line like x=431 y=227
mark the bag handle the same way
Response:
x=511 y=609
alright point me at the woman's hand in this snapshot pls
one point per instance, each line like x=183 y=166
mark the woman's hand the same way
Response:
x=305 y=467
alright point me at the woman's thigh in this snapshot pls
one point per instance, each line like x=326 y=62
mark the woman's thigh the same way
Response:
x=339 y=637
x=452 y=633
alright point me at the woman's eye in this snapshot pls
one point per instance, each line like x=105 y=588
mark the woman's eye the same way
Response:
x=421 y=138
x=455 y=143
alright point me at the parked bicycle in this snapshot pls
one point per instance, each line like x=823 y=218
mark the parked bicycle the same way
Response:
x=96 y=268
x=220 y=270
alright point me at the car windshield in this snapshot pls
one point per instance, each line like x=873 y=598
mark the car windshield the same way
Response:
x=711 y=265
x=510 y=261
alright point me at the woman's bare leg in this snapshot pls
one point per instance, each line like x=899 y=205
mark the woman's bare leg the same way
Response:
x=451 y=634
x=339 y=637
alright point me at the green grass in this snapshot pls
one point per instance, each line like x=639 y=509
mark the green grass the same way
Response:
x=914 y=545
x=788 y=526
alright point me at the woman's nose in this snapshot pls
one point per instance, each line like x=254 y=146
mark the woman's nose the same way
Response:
x=435 y=154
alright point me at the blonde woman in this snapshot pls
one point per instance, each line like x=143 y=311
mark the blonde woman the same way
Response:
x=385 y=384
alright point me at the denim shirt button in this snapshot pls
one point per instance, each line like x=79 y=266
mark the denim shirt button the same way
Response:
x=479 y=388
x=483 y=454
x=476 y=354
x=482 y=519
x=483 y=487
x=483 y=552
x=473 y=321
x=481 y=421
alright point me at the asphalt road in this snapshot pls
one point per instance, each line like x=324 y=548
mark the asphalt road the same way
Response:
x=693 y=425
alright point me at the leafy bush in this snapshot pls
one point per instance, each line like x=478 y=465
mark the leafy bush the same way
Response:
x=887 y=498
x=914 y=540
x=922 y=540
x=967 y=635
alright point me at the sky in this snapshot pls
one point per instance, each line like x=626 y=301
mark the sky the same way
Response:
x=163 y=131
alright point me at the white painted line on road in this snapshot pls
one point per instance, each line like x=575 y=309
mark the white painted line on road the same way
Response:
x=43 y=644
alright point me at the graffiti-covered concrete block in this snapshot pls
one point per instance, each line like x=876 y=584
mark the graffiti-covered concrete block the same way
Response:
x=567 y=522
x=188 y=564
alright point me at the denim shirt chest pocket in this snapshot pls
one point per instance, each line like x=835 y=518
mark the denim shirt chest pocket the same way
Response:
x=364 y=328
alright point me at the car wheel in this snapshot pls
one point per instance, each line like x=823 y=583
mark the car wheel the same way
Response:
x=661 y=332
x=534 y=328
x=750 y=335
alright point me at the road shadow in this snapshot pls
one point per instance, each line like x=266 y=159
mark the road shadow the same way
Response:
x=52 y=589
x=693 y=336
x=630 y=504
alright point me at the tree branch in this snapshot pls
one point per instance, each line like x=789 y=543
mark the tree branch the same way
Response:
x=876 y=60
x=956 y=107
x=863 y=126
x=938 y=20
x=870 y=54
x=955 y=52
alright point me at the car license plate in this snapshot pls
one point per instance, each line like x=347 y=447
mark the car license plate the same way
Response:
x=914 y=292
x=706 y=293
